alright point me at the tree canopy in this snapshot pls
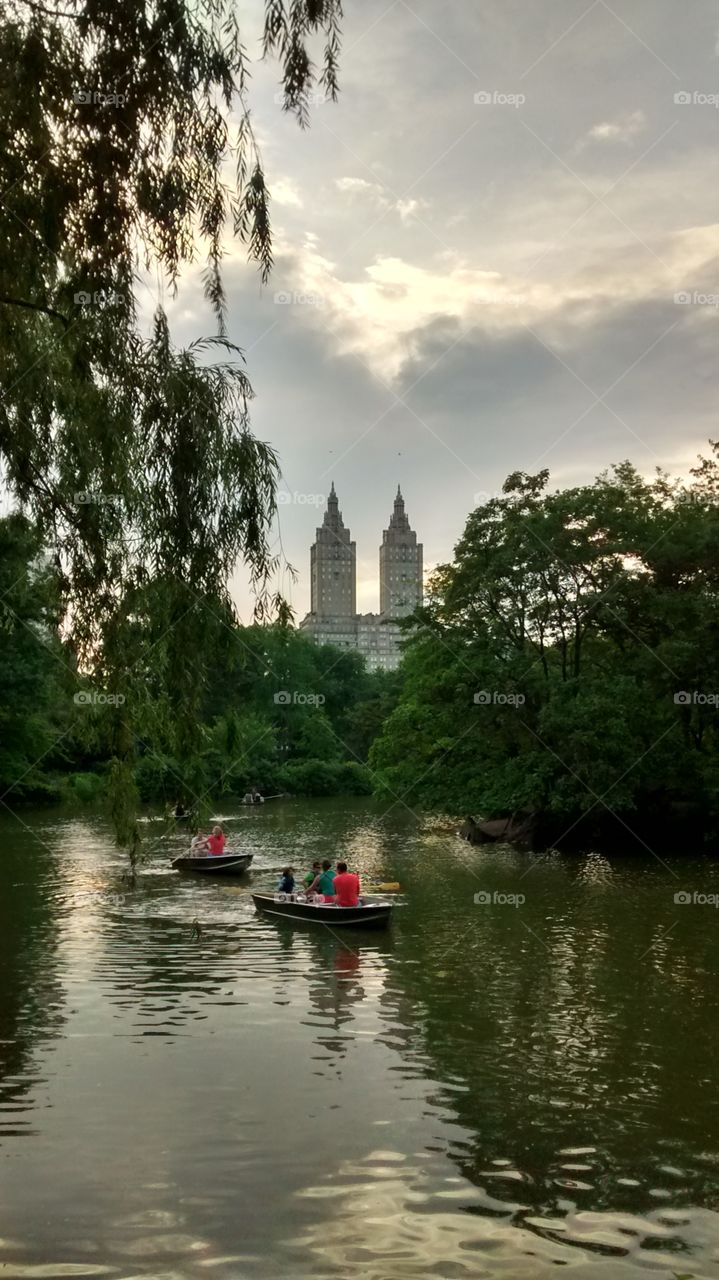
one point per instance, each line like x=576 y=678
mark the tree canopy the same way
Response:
x=567 y=662
x=135 y=459
x=275 y=710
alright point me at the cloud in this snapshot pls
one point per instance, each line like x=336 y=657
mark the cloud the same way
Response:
x=376 y=313
x=497 y=259
x=356 y=184
x=381 y=196
x=621 y=131
x=407 y=208
x=624 y=378
x=624 y=130
x=285 y=192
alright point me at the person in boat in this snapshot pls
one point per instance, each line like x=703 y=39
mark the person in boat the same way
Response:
x=216 y=842
x=346 y=887
x=198 y=846
x=312 y=875
x=323 y=884
x=287 y=880
x=253 y=797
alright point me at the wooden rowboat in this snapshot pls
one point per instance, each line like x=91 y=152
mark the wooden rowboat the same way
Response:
x=369 y=915
x=223 y=864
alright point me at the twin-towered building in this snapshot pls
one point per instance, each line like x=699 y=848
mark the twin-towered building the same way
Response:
x=333 y=617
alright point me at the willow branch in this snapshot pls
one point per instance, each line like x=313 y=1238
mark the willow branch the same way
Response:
x=35 y=306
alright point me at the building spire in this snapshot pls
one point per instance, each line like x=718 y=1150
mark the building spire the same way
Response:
x=400 y=565
x=398 y=519
x=333 y=515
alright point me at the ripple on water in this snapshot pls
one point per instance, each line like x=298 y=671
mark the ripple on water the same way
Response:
x=57 y=1270
x=240 y=1063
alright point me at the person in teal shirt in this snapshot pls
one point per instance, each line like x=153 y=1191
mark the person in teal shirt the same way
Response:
x=325 y=881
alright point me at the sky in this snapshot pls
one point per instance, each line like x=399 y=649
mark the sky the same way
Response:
x=497 y=251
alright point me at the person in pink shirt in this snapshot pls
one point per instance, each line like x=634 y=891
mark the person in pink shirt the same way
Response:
x=346 y=887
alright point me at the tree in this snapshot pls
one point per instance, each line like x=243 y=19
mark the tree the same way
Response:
x=567 y=663
x=36 y=685
x=136 y=459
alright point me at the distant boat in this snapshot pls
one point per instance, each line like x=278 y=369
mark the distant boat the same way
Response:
x=247 y=799
x=369 y=915
x=225 y=864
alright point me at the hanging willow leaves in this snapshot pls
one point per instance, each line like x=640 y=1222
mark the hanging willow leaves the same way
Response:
x=136 y=459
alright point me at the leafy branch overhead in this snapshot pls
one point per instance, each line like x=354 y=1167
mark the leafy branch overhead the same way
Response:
x=119 y=126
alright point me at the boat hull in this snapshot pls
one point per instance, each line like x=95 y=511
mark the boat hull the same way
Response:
x=225 y=864
x=368 y=916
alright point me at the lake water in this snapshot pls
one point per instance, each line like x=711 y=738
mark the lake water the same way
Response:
x=490 y=1088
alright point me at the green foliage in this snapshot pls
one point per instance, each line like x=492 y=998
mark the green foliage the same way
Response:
x=157 y=777
x=323 y=778
x=85 y=787
x=136 y=459
x=273 y=709
x=545 y=674
x=275 y=715
x=355 y=779
x=36 y=685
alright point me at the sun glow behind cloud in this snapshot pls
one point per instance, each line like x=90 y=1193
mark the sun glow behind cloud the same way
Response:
x=470 y=288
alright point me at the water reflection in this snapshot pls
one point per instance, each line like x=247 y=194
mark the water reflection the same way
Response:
x=562 y=1034
x=31 y=996
x=481 y=1090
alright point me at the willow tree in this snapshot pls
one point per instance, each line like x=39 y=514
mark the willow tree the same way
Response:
x=119 y=126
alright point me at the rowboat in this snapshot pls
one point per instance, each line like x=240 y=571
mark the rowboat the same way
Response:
x=224 y=864
x=369 y=915
x=280 y=795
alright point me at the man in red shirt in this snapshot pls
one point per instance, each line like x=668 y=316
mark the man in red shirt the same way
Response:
x=346 y=887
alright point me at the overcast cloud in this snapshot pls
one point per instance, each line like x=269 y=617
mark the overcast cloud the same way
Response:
x=482 y=244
